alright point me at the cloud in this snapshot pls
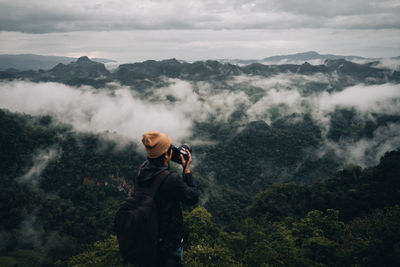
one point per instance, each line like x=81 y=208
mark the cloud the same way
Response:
x=140 y=45
x=282 y=96
x=383 y=98
x=279 y=81
x=67 y=16
x=329 y=9
x=96 y=111
x=175 y=108
x=286 y=90
x=366 y=152
x=200 y=100
x=122 y=110
x=40 y=161
x=198 y=30
x=391 y=64
x=171 y=109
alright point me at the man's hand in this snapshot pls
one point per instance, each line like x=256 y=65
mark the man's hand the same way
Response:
x=187 y=170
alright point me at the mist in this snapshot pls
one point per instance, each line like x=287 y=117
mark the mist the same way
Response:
x=365 y=152
x=32 y=233
x=40 y=161
x=175 y=108
x=95 y=111
x=122 y=110
x=390 y=63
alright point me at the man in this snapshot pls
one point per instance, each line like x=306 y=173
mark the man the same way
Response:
x=172 y=192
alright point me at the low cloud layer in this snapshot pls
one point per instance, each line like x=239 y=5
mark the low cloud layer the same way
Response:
x=384 y=99
x=173 y=109
x=391 y=64
x=377 y=98
x=90 y=110
x=122 y=110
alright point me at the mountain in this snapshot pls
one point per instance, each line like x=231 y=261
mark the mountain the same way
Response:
x=141 y=76
x=82 y=68
x=172 y=68
x=130 y=74
x=83 y=71
x=37 y=62
x=297 y=58
x=311 y=55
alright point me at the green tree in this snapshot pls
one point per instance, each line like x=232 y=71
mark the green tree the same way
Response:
x=101 y=254
x=319 y=235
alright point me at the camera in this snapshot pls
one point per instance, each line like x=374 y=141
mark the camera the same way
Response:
x=178 y=151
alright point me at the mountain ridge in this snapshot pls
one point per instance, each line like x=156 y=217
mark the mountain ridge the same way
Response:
x=151 y=73
x=298 y=58
x=309 y=55
x=24 y=62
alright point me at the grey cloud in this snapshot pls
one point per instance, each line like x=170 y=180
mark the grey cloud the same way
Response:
x=332 y=8
x=55 y=16
x=67 y=16
x=132 y=46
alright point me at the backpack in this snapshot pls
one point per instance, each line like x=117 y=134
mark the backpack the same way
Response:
x=136 y=223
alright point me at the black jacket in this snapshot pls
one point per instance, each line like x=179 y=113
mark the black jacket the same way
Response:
x=172 y=192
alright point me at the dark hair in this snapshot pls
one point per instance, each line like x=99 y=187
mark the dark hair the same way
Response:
x=160 y=160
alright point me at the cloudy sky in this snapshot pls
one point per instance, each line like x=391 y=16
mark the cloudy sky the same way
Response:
x=135 y=30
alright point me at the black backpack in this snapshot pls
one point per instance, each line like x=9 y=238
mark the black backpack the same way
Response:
x=136 y=224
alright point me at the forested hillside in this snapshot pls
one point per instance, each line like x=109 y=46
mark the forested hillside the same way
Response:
x=59 y=189
x=60 y=202
x=352 y=219
x=297 y=165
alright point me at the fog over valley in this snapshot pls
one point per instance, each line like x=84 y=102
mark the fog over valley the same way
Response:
x=222 y=95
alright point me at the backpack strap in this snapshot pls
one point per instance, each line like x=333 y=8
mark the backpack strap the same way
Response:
x=151 y=190
x=135 y=180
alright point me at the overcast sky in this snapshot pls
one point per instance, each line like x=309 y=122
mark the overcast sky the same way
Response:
x=135 y=30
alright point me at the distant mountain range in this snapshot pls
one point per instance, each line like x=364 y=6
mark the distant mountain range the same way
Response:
x=295 y=58
x=310 y=56
x=152 y=73
x=25 y=62
x=37 y=62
